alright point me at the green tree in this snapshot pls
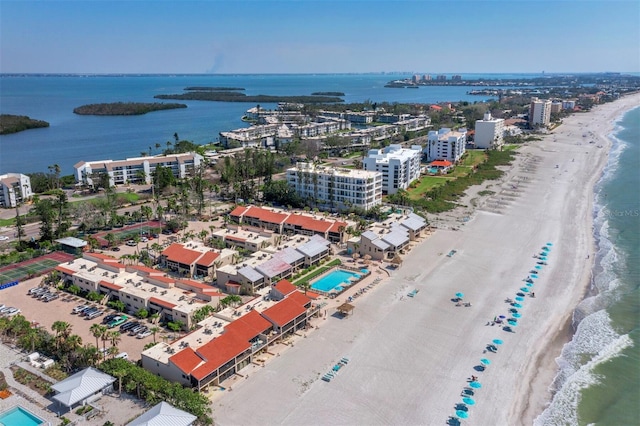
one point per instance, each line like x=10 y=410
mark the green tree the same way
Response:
x=97 y=331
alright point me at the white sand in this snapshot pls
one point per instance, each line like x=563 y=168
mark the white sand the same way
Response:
x=412 y=357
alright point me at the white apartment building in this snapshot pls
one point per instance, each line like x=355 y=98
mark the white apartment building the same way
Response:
x=336 y=188
x=489 y=132
x=539 y=112
x=399 y=166
x=15 y=188
x=131 y=170
x=446 y=144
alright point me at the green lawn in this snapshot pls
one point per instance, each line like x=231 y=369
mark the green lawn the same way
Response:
x=426 y=184
x=474 y=157
x=8 y=222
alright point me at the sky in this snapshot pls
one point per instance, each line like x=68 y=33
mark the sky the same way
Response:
x=308 y=36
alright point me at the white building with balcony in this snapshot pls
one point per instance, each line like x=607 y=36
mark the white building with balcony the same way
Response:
x=336 y=188
x=489 y=132
x=399 y=166
x=446 y=144
x=539 y=112
x=136 y=170
x=15 y=189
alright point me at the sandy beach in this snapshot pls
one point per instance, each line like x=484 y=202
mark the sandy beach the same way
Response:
x=411 y=358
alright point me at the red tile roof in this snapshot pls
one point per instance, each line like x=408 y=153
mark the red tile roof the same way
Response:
x=100 y=256
x=336 y=226
x=248 y=326
x=220 y=351
x=238 y=211
x=208 y=258
x=285 y=287
x=232 y=238
x=186 y=360
x=177 y=253
x=440 y=163
x=64 y=270
x=299 y=297
x=166 y=280
x=312 y=295
x=265 y=215
x=162 y=303
x=193 y=284
x=145 y=269
x=284 y=311
x=308 y=223
x=109 y=285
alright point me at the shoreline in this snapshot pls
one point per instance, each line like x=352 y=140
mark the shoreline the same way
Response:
x=403 y=350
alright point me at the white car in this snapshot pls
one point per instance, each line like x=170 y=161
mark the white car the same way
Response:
x=144 y=334
x=4 y=238
x=11 y=312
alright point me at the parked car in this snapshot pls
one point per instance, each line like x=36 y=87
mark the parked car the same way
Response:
x=44 y=295
x=115 y=248
x=89 y=311
x=143 y=334
x=94 y=314
x=12 y=312
x=128 y=326
x=108 y=318
x=131 y=243
x=5 y=309
x=39 y=291
x=52 y=296
x=136 y=330
x=117 y=321
x=79 y=309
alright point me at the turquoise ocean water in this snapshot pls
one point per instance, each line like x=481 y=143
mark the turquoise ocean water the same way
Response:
x=599 y=380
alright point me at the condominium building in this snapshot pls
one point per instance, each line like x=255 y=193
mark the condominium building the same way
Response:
x=136 y=170
x=15 y=188
x=446 y=144
x=539 y=112
x=336 y=188
x=399 y=166
x=489 y=132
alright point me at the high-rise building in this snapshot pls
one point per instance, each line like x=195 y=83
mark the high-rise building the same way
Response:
x=446 y=144
x=399 y=166
x=489 y=132
x=336 y=188
x=15 y=188
x=539 y=112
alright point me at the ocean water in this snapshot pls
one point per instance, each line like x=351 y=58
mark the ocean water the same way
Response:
x=72 y=138
x=599 y=379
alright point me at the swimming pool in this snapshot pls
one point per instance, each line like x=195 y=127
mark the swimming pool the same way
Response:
x=19 y=416
x=335 y=279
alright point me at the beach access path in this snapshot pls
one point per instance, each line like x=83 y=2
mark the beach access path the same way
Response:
x=410 y=358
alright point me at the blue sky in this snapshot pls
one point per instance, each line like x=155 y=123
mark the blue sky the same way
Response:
x=304 y=36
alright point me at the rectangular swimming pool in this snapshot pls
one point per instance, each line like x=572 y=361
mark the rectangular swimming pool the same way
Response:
x=19 y=416
x=335 y=279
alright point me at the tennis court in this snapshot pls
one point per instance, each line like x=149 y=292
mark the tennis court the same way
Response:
x=33 y=267
x=128 y=232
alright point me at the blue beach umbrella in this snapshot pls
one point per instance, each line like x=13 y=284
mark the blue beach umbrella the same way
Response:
x=475 y=385
x=534 y=276
x=529 y=284
x=517 y=315
x=512 y=322
x=459 y=295
x=485 y=361
x=525 y=289
x=545 y=248
x=468 y=401
x=497 y=341
x=462 y=414
x=549 y=244
x=538 y=267
x=517 y=305
x=519 y=298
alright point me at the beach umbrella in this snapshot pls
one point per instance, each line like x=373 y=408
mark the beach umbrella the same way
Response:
x=549 y=244
x=485 y=361
x=475 y=385
x=497 y=341
x=538 y=266
x=468 y=401
x=468 y=392
x=502 y=317
x=512 y=322
x=459 y=295
x=462 y=414
x=519 y=298
x=529 y=284
x=545 y=248
x=517 y=315
x=534 y=276
x=517 y=305
x=525 y=289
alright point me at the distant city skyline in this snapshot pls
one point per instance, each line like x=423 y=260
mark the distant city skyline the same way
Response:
x=350 y=36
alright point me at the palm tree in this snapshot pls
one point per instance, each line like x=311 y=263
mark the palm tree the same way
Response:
x=110 y=238
x=153 y=331
x=104 y=337
x=62 y=330
x=115 y=338
x=97 y=330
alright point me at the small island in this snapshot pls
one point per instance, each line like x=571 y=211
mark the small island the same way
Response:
x=232 y=96
x=214 y=88
x=17 y=123
x=124 y=108
x=327 y=94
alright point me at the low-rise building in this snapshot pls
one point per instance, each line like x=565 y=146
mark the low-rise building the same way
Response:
x=15 y=189
x=335 y=188
x=135 y=170
x=446 y=144
x=399 y=166
x=193 y=259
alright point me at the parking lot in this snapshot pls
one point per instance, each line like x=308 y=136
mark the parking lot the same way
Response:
x=60 y=309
